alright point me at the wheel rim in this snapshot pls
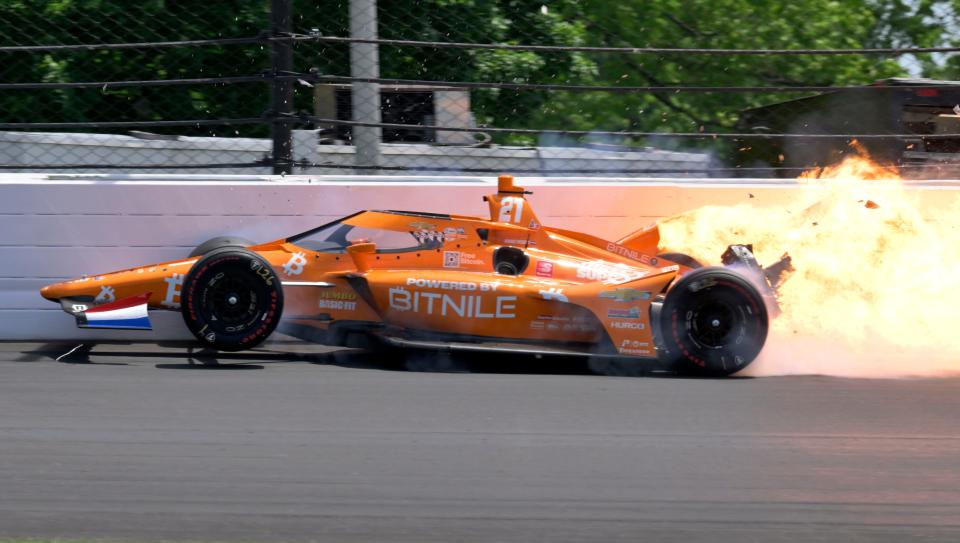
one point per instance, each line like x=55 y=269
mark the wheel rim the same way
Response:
x=231 y=304
x=712 y=324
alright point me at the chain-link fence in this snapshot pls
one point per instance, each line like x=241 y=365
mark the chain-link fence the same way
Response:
x=585 y=88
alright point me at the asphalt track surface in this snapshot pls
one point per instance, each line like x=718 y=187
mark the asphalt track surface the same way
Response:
x=141 y=442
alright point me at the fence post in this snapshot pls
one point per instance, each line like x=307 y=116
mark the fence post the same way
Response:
x=365 y=63
x=282 y=90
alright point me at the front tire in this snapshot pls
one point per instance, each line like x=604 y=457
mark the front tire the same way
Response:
x=714 y=322
x=231 y=299
x=219 y=242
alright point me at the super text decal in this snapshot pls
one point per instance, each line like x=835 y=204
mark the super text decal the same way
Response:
x=459 y=298
x=608 y=273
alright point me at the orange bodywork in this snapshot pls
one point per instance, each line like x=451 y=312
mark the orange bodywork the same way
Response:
x=436 y=273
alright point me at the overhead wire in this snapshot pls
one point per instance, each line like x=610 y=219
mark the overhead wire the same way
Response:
x=623 y=50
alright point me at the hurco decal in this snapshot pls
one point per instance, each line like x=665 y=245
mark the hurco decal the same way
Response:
x=632 y=313
x=474 y=306
x=627 y=325
x=625 y=295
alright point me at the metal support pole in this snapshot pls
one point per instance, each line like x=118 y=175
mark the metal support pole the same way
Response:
x=282 y=91
x=365 y=62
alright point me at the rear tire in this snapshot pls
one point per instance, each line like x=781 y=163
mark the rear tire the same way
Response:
x=231 y=299
x=714 y=322
x=682 y=259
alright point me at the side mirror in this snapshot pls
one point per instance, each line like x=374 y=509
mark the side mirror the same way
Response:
x=362 y=253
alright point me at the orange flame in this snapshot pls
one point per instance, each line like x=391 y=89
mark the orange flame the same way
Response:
x=876 y=286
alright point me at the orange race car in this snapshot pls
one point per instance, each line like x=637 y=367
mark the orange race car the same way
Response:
x=450 y=282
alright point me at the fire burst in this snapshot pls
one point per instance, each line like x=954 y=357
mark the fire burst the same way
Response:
x=876 y=286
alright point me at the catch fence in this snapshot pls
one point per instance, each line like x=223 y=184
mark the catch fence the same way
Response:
x=447 y=87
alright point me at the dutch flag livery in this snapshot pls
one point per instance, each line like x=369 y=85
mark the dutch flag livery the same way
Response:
x=126 y=314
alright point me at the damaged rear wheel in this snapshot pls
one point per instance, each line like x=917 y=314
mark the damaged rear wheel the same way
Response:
x=713 y=322
x=232 y=299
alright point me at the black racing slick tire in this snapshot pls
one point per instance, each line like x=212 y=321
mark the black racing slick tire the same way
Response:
x=682 y=259
x=231 y=299
x=219 y=242
x=714 y=322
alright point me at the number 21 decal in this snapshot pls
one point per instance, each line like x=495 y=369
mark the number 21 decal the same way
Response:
x=511 y=209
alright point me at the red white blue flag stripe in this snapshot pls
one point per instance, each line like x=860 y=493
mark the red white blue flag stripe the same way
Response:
x=126 y=314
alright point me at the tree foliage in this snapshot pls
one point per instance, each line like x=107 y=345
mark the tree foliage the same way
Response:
x=811 y=24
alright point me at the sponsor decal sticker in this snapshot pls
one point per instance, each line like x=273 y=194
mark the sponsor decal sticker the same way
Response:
x=172 y=296
x=552 y=318
x=344 y=305
x=452 y=285
x=296 y=264
x=471 y=306
x=511 y=209
x=631 y=313
x=625 y=295
x=544 y=268
x=623 y=251
x=451 y=259
x=471 y=259
x=618 y=249
x=632 y=346
x=456 y=259
x=554 y=293
x=608 y=273
x=427 y=236
x=534 y=225
x=106 y=295
x=337 y=295
x=451 y=232
x=421 y=225
x=627 y=325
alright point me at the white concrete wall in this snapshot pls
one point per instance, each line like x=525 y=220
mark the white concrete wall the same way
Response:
x=187 y=155
x=59 y=226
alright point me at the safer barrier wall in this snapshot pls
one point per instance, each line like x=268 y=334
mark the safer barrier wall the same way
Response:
x=59 y=226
